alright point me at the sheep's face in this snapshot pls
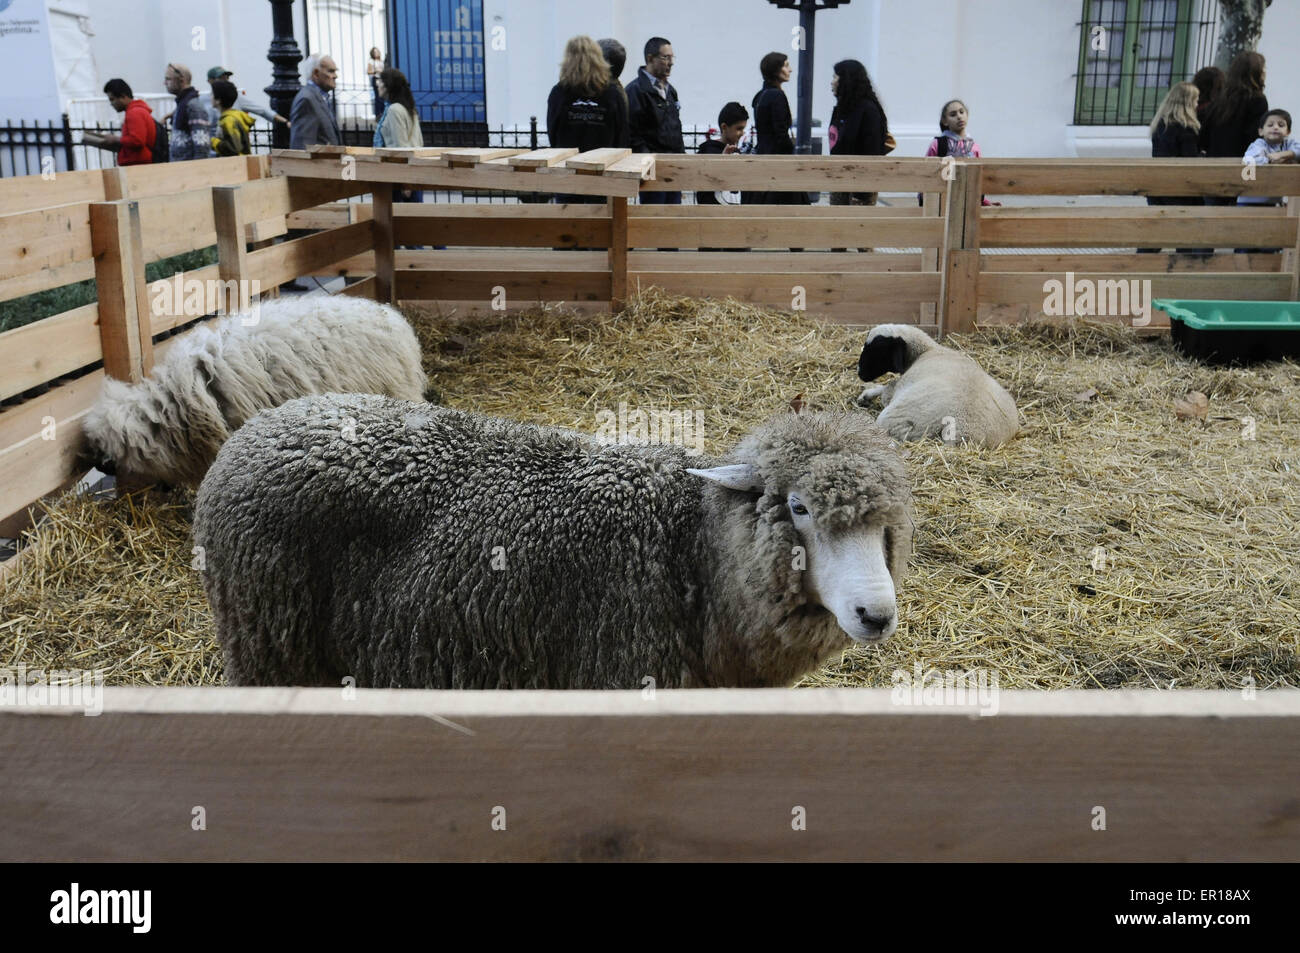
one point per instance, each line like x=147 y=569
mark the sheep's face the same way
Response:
x=847 y=572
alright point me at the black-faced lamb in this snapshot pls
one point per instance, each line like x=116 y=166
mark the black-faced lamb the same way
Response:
x=940 y=393
x=416 y=546
x=169 y=426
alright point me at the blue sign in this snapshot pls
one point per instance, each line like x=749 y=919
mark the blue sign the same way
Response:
x=439 y=45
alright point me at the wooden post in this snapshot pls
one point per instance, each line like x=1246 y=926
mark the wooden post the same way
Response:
x=115 y=186
x=929 y=256
x=1291 y=256
x=232 y=252
x=961 y=251
x=618 y=252
x=385 y=265
x=125 y=330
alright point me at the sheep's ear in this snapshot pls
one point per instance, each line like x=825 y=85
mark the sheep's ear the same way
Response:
x=881 y=355
x=734 y=476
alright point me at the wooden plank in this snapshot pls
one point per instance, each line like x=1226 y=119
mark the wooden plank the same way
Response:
x=783 y=291
x=172 y=178
x=540 y=158
x=384 y=242
x=1291 y=256
x=288 y=154
x=769 y=211
x=116 y=267
x=34 y=281
x=295 y=773
x=36 y=466
x=1127 y=261
x=825 y=232
x=27 y=193
x=474 y=156
x=115 y=184
x=961 y=289
x=395 y=154
x=181 y=297
x=1066 y=230
x=365 y=288
x=796 y=173
x=640 y=167
x=434 y=285
x=432 y=174
x=278 y=196
x=618 y=253
x=326 y=151
x=64 y=399
x=596 y=160
x=44 y=238
x=1027 y=288
x=45 y=349
x=173 y=224
x=303 y=256
x=526 y=231
x=1134 y=177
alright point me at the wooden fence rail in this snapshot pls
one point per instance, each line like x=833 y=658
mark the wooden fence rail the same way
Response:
x=811 y=774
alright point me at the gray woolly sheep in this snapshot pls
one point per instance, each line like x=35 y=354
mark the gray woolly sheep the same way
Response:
x=941 y=393
x=416 y=546
x=169 y=427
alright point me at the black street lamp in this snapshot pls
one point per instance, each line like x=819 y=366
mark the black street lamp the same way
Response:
x=285 y=57
x=807 y=11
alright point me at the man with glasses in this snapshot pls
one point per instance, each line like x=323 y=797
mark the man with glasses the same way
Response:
x=311 y=120
x=654 y=116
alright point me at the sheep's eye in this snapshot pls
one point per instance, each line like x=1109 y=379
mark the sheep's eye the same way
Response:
x=798 y=508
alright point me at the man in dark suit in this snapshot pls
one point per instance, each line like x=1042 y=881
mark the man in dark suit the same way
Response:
x=312 y=119
x=654 y=117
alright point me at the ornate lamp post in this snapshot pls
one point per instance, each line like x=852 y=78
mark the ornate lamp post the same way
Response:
x=285 y=57
x=807 y=12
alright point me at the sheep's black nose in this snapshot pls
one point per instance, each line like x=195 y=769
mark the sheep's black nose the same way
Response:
x=874 y=621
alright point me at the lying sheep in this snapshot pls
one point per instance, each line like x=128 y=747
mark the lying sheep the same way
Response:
x=415 y=546
x=941 y=393
x=169 y=427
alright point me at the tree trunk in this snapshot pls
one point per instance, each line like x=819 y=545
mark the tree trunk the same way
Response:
x=1240 y=24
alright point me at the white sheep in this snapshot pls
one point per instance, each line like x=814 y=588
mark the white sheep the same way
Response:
x=941 y=393
x=169 y=427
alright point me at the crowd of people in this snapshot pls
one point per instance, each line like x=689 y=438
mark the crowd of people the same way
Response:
x=1216 y=114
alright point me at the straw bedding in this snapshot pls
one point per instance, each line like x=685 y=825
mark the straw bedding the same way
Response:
x=1111 y=545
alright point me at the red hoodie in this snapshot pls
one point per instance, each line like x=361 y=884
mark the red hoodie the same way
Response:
x=138 y=134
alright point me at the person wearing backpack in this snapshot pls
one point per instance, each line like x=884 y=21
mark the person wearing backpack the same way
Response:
x=191 y=130
x=136 y=143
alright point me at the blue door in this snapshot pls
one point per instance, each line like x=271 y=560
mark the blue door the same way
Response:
x=438 y=44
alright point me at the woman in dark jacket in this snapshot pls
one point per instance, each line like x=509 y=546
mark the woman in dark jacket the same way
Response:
x=1232 y=119
x=1173 y=136
x=772 y=122
x=1209 y=83
x=858 y=124
x=585 y=109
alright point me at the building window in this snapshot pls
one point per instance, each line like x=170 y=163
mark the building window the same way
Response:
x=1132 y=51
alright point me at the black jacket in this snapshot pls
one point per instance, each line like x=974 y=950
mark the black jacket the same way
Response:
x=709 y=147
x=859 y=131
x=654 y=123
x=577 y=120
x=1174 y=141
x=1231 y=136
x=772 y=121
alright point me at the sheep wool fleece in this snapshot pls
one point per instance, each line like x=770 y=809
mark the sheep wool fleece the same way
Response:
x=409 y=545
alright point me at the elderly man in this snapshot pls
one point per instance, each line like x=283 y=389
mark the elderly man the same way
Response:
x=190 y=136
x=311 y=121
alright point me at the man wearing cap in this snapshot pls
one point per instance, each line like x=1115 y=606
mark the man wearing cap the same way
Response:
x=241 y=101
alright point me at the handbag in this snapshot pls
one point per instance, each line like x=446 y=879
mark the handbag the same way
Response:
x=890 y=144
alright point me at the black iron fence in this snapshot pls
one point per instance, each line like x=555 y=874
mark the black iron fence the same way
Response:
x=29 y=148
